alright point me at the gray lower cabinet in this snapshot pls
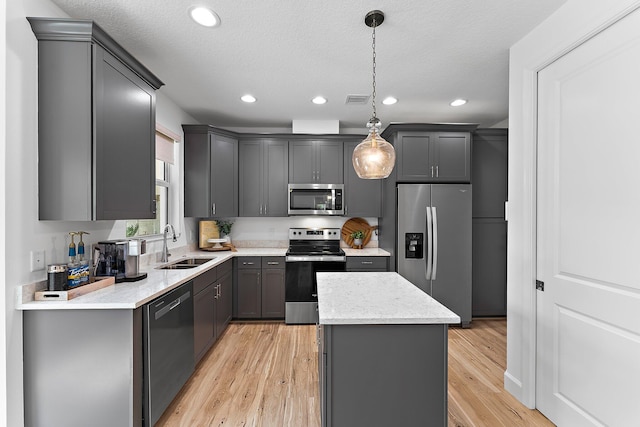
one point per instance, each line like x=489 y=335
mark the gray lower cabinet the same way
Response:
x=315 y=161
x=259 y=288
x=273 y=287
x=212 y=306
x=263 y=177
x=210 y=172
x=363 y=197
x=367 y=263
x=383 y=375
x=96 y=125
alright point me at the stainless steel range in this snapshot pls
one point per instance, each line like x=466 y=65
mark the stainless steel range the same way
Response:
x=310 y=250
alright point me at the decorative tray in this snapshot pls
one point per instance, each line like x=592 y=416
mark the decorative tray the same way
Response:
x=98 y=283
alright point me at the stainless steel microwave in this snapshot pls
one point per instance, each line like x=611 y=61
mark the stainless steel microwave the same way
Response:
x=316 y=199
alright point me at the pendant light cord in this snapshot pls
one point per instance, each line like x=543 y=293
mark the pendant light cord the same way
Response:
x=373 y=95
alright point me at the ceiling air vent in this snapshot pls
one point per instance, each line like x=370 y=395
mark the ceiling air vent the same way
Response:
x=357 y=99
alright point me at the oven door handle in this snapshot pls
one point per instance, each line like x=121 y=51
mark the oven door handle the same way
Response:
x=304 y=258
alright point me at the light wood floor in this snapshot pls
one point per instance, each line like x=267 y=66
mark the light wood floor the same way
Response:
x=265 y=375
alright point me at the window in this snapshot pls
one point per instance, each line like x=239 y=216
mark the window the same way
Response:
x=165 y=162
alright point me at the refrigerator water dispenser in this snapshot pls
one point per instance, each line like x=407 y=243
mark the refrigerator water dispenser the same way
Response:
x=413 y=245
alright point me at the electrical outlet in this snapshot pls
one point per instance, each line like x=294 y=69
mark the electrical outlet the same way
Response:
x=37 y=260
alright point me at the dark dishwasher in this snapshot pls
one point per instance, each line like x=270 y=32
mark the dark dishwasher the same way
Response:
x=168 y=349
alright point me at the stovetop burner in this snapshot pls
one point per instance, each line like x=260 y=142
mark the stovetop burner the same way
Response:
x=314 y=242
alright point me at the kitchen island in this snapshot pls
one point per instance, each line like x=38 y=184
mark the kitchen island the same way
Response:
x=382 y=353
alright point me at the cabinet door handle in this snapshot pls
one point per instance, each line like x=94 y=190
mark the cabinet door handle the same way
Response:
x=437 y=172
x=213 y=209
x=367 y=262
x=219 y=291
x=431 y=171
x=273 y=263
x=265 y=208
x=247 y=263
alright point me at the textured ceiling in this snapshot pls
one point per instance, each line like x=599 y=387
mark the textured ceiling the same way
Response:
x=285 y=52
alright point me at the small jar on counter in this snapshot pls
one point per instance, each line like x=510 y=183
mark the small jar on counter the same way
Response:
x=57 y=277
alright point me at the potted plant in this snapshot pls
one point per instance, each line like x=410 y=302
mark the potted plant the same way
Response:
x=357 y=237
x=224 y=227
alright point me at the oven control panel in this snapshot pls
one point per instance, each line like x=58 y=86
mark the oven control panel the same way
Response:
x=314 y=234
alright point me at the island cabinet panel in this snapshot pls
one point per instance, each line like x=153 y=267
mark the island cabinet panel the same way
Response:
x=95 y=359
x=383 y=375
x=367 y=263
x=96 y=125
x=315 y=161
x=210 y=172
x=363 y=197
x=259 y=288
x=263 y=177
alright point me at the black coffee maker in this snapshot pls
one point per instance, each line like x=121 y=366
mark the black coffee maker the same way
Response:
x=119 y=258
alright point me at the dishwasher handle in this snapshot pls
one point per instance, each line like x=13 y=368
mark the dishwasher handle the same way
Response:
x=175 y=303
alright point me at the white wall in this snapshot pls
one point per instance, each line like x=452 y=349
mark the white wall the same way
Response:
x=572 y=24
x=23 y=231
x=3 y=311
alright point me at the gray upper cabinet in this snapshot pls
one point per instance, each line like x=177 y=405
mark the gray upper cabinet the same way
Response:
x=451 y=157
x=363 y=197
x=315 y=161
x=210 y=172
x=263 y=177
x=431 y=152
x=490 y=170
x=431 y=156
x=96 y=125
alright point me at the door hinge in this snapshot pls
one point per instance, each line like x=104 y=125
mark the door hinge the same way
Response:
x=539 y=285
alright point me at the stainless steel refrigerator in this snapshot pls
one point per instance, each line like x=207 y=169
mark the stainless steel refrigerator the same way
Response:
x=434 y=242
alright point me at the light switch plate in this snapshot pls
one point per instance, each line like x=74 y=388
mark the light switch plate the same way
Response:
x=37 y=260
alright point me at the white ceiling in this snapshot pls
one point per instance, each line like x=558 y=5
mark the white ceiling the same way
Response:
x=285 y=52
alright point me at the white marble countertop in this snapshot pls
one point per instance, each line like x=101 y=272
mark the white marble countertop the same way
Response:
x=131 y=295
x=376 y=298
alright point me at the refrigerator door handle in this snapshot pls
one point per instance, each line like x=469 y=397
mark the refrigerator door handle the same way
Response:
x=428 y=258
x=435 y=244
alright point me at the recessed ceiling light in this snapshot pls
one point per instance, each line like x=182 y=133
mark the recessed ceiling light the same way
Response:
x=389 y=100
x=248 y=98
x=458 y=102
x=204 y=16
x=319 y=100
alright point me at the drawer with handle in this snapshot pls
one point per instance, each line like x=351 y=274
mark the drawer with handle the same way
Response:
x=367 y=263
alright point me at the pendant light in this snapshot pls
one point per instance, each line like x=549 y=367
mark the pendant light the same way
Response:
x=374 y=157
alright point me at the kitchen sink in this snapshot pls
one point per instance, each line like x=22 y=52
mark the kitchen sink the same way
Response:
x=185 y=263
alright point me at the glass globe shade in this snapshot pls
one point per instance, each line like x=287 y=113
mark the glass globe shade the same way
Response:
x=374 y=158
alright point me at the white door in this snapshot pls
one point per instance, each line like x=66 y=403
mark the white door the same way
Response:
x=588 y=244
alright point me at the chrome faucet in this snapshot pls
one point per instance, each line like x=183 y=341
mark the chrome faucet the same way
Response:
x=165 y=249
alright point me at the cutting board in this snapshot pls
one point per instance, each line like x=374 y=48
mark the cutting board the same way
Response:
x=355 y=224
x=208 y=230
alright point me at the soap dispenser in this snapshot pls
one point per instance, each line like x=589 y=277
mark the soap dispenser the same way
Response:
x=73 y=270
x=83 y=264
